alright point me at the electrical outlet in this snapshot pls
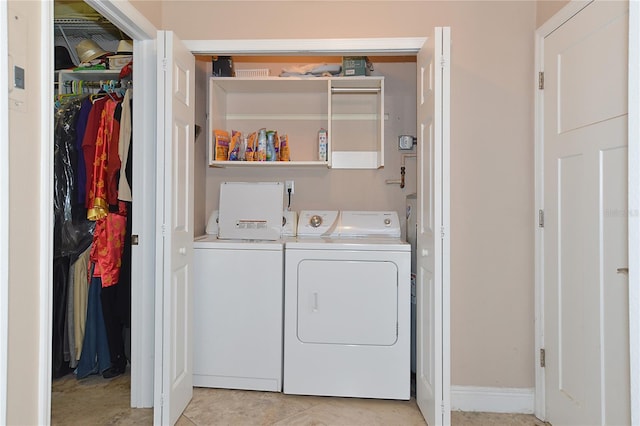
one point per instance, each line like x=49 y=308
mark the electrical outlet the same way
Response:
x=406 y=141
x=289 y=186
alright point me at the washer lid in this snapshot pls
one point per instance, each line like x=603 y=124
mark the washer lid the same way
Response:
x=251 y=210
x=369 y=224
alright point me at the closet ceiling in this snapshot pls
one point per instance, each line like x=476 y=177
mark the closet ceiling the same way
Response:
x=75 y=20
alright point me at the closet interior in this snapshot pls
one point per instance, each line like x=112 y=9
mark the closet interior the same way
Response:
x=92 y=194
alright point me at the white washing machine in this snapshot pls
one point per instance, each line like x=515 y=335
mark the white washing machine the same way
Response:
x=238 y=287
x=347 y=306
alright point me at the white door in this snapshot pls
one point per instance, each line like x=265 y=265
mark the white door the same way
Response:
x=586 y=325
x=432 y=281
x=174 y=300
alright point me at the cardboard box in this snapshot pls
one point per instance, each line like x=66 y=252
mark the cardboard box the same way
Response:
x=222 y=66
x=356 y=65
x=117 y=62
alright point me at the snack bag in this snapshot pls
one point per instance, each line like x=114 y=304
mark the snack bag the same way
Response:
x=234 y=146
x=276 y=146
x=284 y=148
x=250 y=153
x=221 y=138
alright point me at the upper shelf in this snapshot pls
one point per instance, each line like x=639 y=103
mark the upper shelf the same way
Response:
x=293 y=84
x=351 y=109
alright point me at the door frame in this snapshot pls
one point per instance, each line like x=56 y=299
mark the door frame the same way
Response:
x=131 y=21
x=546 y=29
x=4 y=211
x=634 y=207
x=143 y=264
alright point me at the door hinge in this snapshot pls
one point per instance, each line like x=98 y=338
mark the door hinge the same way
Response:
x=541 y=80
x=135 y=240
x=542 y=358
x=164 y=64
x=540 y=218
x=442 y=232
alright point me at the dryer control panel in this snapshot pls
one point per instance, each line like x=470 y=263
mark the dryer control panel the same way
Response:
x=318 y=223
x=369 y=224
x=331 y=223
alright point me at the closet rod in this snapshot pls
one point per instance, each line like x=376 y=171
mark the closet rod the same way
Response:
x=85 y=83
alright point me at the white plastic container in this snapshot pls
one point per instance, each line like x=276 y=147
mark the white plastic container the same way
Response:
x=322 y=145
x=262 y=72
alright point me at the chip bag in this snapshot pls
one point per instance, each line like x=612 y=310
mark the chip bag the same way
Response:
x=221 y=138
x=284 y=153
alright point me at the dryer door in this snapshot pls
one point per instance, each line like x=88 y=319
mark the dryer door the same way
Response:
x=347 y=302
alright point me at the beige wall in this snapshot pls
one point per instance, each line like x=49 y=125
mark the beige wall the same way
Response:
x=321 y=188
x=151 y=9
x=492 y=155
x=24 y=180
x=545 y=9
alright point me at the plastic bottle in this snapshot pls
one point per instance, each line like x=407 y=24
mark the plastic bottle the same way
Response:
x=322 y=145
x=271 y=147
x=262 y=145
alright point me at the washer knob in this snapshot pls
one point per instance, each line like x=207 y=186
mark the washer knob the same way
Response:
x=387 y=221
x=315 y=221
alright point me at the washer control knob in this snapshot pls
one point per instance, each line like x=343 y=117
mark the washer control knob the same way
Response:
x=387 y=221
x=315 y=221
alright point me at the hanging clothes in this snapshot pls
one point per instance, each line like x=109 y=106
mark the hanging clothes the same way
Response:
x=81 y=171
x=59 y=367
x=102 y=190
x=92 y=293
x=80 y=295
x=72 y=232
x=124 y=144
x=95 y=358
x=89 y=142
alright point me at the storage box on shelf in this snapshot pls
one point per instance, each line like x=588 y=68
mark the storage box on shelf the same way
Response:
x=352 y=110
x=260 y=72
x=356 y=65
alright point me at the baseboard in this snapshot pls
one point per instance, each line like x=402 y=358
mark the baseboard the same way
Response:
x=493 y=400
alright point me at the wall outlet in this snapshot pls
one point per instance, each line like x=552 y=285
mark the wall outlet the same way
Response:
x=406 y=141
x=289 y=187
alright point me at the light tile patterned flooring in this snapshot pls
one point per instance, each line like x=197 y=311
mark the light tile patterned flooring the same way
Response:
x=97 y=401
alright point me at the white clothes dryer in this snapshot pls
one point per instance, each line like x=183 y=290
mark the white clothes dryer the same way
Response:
x=347 y=306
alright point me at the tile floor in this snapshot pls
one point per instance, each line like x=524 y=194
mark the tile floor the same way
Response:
x=97 y=401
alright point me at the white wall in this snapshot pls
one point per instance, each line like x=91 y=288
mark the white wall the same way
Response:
x=25 y=265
